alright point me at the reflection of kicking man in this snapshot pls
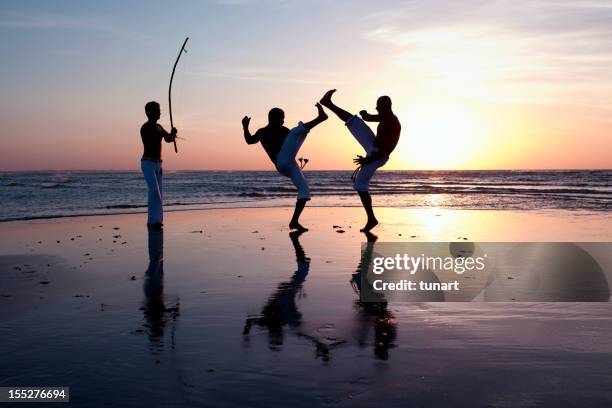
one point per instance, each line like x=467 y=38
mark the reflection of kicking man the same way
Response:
x=378 y=148
x=372 y=312
x=281 y=308
x=282 y=145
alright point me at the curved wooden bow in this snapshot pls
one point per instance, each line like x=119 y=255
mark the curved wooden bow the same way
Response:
x=170 y=89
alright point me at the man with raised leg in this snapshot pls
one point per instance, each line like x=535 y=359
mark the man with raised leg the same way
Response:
x=377 y=147
x=282 y=146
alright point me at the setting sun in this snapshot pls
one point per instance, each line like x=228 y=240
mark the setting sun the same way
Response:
x=441 y=136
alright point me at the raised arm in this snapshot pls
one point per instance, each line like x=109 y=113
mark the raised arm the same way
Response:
x=368 y=117
x=248 y=137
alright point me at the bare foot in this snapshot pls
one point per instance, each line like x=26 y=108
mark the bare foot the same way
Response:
x=297 y=226
x=326 y=99
x=370 y=224
x=322 y=115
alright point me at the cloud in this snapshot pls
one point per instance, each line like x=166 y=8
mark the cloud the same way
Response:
x=532 y=50
x=274 y=74
x=63 y=22
x=259 y=3
x=50 y=21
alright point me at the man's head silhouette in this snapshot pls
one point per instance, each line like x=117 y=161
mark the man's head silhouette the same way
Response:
x=383 y=104
x=276 y=117
x=152 y=110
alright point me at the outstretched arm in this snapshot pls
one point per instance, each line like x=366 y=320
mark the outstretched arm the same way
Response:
x=368 y=117
x=248 y=137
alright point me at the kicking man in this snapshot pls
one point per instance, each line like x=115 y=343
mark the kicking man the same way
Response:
x=152 y=134
x=282 y=145
x=377 y=147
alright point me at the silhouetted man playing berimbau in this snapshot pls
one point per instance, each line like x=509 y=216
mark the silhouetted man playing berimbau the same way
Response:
x=378 y=147
x=152 y=134
x=282 y=145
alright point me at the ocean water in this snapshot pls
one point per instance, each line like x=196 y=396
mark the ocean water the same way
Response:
x=31 y=195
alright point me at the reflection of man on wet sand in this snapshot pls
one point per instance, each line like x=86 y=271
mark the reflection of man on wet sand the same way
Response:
x=373 y=313
x=280 y=309
x=155 y=311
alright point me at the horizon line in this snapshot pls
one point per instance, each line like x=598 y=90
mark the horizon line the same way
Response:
x=330 y=170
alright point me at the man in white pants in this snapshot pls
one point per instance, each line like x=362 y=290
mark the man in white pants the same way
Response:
x=282 y=146
x=377 y=147
x=152 y=134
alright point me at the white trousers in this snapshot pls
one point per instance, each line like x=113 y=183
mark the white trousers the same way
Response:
x=285 y=160
x=152 y=172
x=365 y=136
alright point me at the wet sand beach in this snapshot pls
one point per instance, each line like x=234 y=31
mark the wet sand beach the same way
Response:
x=225 y=308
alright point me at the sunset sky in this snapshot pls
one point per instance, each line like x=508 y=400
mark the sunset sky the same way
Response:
x=476 y=84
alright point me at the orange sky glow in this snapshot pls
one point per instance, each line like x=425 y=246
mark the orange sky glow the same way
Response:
x=475 y=85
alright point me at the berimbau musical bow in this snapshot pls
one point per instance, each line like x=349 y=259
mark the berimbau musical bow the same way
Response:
x=170 y=88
